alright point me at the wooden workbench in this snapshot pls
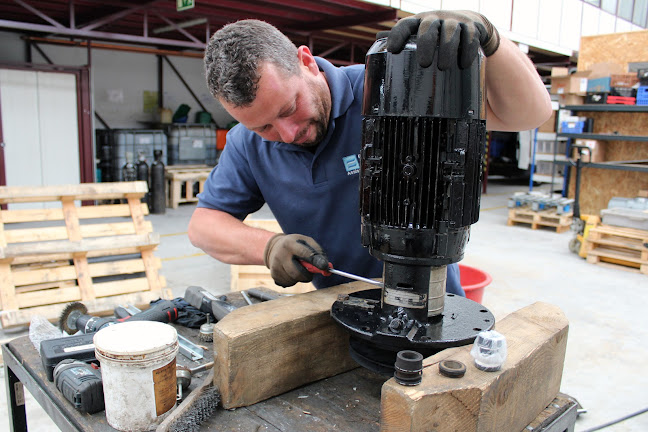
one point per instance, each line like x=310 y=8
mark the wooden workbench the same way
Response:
x=349 y=401
x=345 y=402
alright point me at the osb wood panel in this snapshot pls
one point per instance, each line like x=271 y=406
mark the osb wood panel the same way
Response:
x=621 y=48
x=598 y=186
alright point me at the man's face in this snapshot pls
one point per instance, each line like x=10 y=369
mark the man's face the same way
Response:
x=292 y=110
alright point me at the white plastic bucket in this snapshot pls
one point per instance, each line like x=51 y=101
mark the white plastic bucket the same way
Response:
x=138 y=370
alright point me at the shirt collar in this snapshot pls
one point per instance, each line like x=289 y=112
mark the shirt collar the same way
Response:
x=339 y=85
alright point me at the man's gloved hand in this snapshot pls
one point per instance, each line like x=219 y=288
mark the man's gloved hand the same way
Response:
x=458 y=33
x=282 y=255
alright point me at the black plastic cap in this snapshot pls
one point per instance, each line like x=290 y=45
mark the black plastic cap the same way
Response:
x=408 y=368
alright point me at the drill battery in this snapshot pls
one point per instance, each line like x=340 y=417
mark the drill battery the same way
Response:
x=52 y=351
x=80 y=383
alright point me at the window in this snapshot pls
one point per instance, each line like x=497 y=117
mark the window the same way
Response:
x=640 y=12
x=609 y=6
x=625 y=9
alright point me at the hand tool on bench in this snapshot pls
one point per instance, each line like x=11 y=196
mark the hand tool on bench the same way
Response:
x=75 y=317
x=311 y=268
x=202 y=299
x=263 y=295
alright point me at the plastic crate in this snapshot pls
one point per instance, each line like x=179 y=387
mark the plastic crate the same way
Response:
x=192 y=144
x=572 y=126
x=642 y=95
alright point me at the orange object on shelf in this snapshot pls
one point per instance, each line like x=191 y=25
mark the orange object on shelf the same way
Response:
x=221 y=136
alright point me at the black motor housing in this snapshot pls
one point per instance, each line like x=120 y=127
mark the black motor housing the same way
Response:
x=421 y=162
x=423 y=140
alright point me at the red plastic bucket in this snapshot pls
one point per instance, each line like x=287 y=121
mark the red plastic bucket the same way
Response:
x=473 y=281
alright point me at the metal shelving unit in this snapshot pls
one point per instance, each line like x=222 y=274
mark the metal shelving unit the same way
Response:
x=633 y=165
x=541 y=155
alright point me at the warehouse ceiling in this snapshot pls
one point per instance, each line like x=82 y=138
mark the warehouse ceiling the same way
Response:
x=339 y=30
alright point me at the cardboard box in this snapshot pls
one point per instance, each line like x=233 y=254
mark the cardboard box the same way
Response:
x=623 y=80
x=597 y=148
x=601 y=70
x=571 y=99
x=559 y=71
x=598 y=85
x=575 y=83
x=550 y=125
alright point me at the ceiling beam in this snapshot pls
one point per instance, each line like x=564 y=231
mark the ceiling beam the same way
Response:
x=345 y=21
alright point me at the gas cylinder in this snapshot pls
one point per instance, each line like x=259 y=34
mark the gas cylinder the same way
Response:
x=158 y=185
x=143 y=174
x=128 y=170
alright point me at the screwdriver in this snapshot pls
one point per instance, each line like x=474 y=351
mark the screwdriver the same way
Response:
x=311 y=268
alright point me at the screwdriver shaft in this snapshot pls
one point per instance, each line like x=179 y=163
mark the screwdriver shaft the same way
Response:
x=356 y=277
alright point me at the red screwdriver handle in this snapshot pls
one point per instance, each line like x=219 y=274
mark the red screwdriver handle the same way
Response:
x=311 y=268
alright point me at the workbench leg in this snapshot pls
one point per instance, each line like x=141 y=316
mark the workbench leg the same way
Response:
x=15 y=402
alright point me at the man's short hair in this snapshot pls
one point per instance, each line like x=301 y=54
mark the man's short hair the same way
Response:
x=234 y=54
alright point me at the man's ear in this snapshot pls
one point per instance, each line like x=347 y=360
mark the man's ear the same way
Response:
x=307 y=59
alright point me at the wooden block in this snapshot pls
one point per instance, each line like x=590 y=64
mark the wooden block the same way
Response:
x=269 y=348
x=506 y=400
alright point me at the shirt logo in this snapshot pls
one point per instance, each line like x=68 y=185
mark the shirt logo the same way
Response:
x=351 y=164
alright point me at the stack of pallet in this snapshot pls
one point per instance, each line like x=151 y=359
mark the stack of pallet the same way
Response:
x=625 y=248
x=185 y=182
x=53 y=250
x=541 y=218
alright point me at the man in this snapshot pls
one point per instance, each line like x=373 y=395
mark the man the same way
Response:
x=300 y=120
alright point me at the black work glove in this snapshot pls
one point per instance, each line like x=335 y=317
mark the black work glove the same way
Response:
x=459 y=35
x=283 y=253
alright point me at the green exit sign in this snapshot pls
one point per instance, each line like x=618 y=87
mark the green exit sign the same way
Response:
x=184 y=4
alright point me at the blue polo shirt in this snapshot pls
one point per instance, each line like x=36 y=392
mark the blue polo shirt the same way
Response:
x=313 y=194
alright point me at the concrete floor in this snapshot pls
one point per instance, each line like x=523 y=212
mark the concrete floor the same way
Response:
x=606 y=365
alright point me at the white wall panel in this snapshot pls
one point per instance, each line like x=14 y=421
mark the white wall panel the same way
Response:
x=525 y=18
x=472 y=5
x=549 y=17
x=590 y=20
x=622 y=26
x=416 y=6
x=19 y=99
x=498 y=12
x=607 y=22
x=58 y=124
x=570 y=24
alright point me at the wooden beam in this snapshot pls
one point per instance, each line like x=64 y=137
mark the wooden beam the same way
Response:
x=52 y=214
x=83 y=191
x=506 y=400
x=85 y=245
x=269 y=348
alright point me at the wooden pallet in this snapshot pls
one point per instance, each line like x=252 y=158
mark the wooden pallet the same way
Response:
x=547 y=218
x=100 y=255
x=185 y=182
x=626 y=248
x=244 y=277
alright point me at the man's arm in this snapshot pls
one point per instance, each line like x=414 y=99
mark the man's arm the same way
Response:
x=226 y=238
x=517 y=98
